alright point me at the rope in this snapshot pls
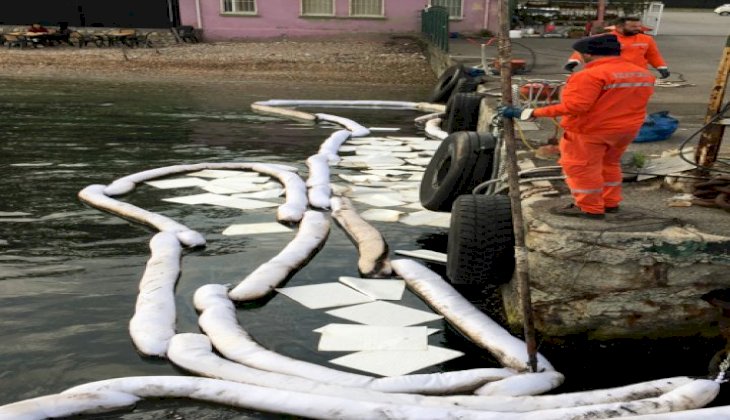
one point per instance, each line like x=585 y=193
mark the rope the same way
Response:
x=724 y=366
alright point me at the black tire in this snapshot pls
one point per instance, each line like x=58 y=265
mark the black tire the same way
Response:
x=446 y=83
x=483 y=167
x=481 y=243
x=466 y=84
x=724 y=13
x=462 y=159
x=462 y=114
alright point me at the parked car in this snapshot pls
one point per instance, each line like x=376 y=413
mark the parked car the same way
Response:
x=723 y=10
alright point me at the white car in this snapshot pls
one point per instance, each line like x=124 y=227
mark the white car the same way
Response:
x=723 y=10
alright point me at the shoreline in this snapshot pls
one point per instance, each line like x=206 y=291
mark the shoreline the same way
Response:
x=371 y=60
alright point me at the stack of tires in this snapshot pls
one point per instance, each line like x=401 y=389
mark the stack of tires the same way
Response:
x=481 y=241
x=456 y=89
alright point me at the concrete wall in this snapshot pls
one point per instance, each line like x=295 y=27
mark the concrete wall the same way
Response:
x=640 y=276
x=275 y=18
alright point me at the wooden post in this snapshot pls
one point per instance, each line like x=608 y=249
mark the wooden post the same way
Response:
x=711 y=138
x=601 y=12
x=521 y=265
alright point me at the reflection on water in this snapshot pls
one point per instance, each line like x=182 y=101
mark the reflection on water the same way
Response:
x=69 y=273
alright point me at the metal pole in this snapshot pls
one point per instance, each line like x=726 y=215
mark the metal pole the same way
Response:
x=711 y=138
x=521 y=265
x=198 y=14
x=487 y=5
x=169 y=13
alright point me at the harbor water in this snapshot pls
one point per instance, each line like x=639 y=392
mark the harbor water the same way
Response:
x=69 y=273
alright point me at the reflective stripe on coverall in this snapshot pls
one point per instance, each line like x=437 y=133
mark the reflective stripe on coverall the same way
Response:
x=603 y=108
x=639 y=49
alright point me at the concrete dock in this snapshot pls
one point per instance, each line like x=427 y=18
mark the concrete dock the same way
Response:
x=643 y=271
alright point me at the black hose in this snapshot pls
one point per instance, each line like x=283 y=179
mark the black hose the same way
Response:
x=716 y=117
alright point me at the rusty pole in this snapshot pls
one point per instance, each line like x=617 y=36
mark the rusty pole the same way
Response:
x=711 y=138
x=601 y=12
x=521 y=265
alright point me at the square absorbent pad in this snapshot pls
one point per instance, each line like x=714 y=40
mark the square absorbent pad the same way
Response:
x=221 y=200
x=396 y=362
x=424 y=254
x=255 y=228
x=379 y=200
x=384 y=313
x=273 y=193
x=427 y=218
x=349 y=337
x=377 y=288
x=221 y=173
x=205 y=198
x=381 y=215
x=325 y=295
x=177 y=183
x=243 y=203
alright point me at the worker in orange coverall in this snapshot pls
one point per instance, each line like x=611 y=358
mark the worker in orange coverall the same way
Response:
x=636 y=47
x=603 y=108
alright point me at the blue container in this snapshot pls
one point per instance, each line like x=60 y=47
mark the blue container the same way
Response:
x=474 y=72
x=657 y=126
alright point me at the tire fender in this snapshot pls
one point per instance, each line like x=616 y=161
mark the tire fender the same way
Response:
x=446 y=84
x=463 y=160
x=481 y=243
x=462 y=113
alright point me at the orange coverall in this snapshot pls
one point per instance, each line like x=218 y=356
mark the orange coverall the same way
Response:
x=603 y=108
x=639 y=49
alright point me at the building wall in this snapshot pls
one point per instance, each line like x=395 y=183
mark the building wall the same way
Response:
x=277 y=18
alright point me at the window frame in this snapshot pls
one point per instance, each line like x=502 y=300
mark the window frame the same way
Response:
x=301 y=10
x=239 y=13
x=461 y=17
x=382 y=11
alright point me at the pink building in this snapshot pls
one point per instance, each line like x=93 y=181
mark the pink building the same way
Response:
x=239 y=19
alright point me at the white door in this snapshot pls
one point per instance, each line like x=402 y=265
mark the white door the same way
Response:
x=653 y=16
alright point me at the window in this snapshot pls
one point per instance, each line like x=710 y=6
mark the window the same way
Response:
x=247 y=7
x=318 y=8
x=366 y=8
x=455 y=7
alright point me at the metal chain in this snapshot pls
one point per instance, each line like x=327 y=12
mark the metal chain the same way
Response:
x=724 y=366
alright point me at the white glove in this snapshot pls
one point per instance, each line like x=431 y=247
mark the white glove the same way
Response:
x=526 y=114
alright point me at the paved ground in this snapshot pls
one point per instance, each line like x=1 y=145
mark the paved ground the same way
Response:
x=699 y=22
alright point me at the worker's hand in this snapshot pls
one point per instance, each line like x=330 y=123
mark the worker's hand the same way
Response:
x=509 y=111
x=523 y=114
x=570 y=65
x=664 y=72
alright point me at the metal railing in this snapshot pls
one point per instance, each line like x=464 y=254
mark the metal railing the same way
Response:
x=435 y=26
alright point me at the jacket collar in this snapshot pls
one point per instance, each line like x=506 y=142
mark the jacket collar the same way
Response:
x=605 y=60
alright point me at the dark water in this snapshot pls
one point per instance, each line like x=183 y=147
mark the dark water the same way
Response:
x=69 y=273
